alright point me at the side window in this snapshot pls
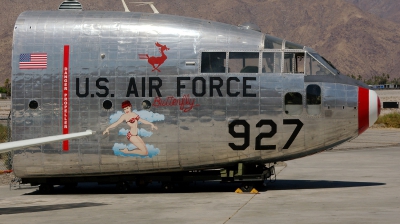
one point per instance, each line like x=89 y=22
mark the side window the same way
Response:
x=213 y=62
x=271 y=62
x=288 y=63
x=293 y=63
x=243 y=62
x=313 y=93
x=293 y=103
x=299 y=63
x=313 y=67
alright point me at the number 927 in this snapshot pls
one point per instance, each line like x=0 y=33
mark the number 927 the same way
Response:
x=246 y=134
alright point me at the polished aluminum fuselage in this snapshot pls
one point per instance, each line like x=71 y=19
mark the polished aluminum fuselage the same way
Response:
x=105 y=49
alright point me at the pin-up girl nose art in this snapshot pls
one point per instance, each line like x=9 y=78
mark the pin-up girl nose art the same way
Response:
x=132 y=119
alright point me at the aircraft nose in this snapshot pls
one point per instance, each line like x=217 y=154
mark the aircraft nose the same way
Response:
x=369 y=108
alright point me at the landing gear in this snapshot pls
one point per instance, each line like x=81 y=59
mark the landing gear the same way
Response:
x=247 y=186
x=251 y=176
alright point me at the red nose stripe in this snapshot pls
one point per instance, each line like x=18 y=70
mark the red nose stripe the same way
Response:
x=363 y=109
x=379 y=106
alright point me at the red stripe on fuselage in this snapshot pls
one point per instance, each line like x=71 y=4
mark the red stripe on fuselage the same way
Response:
x=363 y=109
x=65 y=91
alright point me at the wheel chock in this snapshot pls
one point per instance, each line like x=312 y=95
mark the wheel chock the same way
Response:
x=253 y=191
x=238 y=191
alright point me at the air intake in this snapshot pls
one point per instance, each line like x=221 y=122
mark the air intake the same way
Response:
x=70 y=5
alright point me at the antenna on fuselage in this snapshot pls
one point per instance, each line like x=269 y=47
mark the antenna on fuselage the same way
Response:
x=125 y=6
x=147 y=3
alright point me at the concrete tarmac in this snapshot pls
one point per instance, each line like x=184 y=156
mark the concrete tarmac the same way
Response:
x=358 y=183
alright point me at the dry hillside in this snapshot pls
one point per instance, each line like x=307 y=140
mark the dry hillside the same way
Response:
x=386 y=9
x=357 y=42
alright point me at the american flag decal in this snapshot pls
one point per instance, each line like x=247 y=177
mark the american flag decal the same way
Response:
x=33 y=61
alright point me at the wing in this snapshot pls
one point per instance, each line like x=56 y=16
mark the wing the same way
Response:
x=8 y=146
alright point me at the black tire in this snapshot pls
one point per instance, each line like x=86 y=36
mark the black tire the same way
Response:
x=247 y=186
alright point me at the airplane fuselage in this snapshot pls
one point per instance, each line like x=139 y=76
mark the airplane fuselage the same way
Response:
x=168 y=93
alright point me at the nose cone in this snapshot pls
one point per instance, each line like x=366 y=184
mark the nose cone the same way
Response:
x=369 y=108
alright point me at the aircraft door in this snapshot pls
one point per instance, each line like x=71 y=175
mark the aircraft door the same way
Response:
x=315 y=131
x=292 y=126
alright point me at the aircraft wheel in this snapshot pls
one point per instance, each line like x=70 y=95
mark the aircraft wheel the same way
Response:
x=122 y=187
x=46 y=188
x=247 y=186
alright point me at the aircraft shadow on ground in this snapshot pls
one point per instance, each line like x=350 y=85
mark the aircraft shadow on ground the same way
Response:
x=211 y=186
x=42 y=208
x=318 y=184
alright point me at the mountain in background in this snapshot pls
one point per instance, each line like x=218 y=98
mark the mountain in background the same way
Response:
x=355 y=41
x=386 y=9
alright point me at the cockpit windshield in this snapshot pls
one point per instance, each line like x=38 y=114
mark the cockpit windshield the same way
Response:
x=315 y=64
x=292 y=58
x=318 y=65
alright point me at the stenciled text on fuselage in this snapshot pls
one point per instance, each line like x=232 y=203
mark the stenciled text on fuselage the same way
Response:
x=153 y=87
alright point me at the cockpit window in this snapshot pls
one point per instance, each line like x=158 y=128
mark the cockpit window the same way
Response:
x=213 y=62
x=271 y=42
x=329 y=63
x=288 y=63
x=243 y=62
x=316 y=65
x=293 y=63
x=271 y=62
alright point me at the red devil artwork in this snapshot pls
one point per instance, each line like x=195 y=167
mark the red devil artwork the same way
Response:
x=156 y=60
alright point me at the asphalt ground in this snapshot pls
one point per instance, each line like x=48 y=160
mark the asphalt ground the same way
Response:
x=357 y=183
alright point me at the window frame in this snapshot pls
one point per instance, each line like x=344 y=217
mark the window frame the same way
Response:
x=216 y=51
x=229 y=59
x=313 y=105
x=299 y=105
